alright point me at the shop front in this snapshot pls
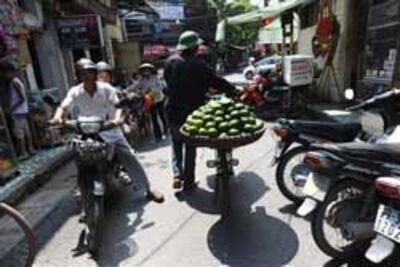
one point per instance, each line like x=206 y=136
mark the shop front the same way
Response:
x=382 y=64
x=17 y=27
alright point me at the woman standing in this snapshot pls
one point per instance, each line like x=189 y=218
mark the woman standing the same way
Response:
x=150 y=85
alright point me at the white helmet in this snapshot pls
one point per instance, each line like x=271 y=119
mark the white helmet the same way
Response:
x=104 y=66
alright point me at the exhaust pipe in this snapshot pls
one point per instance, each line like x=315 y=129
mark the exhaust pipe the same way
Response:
x=358 y=230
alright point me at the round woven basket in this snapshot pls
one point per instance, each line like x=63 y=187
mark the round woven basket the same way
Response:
x=222 y=143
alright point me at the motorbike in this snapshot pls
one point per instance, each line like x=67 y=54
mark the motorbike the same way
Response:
x=334 y=126
x=340 y=189
x=134 y=118
x=98 y=177
x=387 y=222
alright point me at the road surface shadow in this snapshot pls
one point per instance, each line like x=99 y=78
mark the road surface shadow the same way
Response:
x=250 y=239
x=246 y=188
x=118 y=244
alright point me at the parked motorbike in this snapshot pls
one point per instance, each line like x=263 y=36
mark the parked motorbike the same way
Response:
x=340 y=188
x=335 y=126
x=291 y=171
x=387 y=220
x=98 y=177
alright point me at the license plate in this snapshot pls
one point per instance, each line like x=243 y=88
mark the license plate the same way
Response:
x=316 y=186
x=387 y=223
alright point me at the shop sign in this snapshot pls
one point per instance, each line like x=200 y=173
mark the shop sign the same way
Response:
x=170 y=11
x=80 y=32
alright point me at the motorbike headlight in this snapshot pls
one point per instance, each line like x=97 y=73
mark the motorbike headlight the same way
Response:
x=90 y=127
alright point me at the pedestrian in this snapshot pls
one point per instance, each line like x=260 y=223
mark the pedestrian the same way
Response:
x=92 y=98
x=188 y=79
x=18 y=110
x=152 y=87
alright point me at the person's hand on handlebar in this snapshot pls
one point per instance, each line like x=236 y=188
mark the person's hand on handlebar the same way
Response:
x=57 y=121
x=114 y=123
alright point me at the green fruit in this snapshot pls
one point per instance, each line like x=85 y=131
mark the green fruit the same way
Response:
x=244 y=112
x=214 y=105
x=219 y=119
x=190 y=129
x=245 y=120
x=219 y=112
x=234 y=123
x=203 y=132
x=196 y=123
x=228 y=117
x=224 y=101
x=236 y=114
x=208 y=111
x=251 y=120
x=249 y=128
x=259 y=124
x=212 y=132
x=223 y=135
x=233 y=132
x=207 y=118
x=239 y=106
x=197 y=114
x=211 y=124
x=224 y=126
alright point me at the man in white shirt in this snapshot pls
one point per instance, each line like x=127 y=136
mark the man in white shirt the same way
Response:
x=91 y=98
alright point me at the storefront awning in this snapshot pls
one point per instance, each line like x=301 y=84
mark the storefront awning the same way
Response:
x=272 y=11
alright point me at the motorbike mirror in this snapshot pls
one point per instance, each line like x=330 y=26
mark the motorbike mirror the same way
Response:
x=349 y=94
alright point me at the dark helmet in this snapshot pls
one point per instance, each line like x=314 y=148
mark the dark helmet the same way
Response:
x=104 y=66
x=85 y=64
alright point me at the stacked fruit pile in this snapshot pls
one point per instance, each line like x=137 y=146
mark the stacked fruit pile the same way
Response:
x=221 y=118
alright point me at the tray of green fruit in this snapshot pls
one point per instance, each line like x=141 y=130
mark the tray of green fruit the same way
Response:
x=222 y=123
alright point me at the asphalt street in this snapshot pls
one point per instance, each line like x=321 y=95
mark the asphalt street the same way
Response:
x=186 y=230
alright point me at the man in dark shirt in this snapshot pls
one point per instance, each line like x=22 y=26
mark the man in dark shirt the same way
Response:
x=188 y=79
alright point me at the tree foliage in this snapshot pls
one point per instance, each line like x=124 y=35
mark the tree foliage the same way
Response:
x=243 y=34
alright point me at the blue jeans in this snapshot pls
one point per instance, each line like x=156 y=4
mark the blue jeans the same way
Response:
x=183 y=157
x=126 y=156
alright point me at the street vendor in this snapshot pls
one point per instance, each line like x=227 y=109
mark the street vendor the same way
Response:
x=188 y=79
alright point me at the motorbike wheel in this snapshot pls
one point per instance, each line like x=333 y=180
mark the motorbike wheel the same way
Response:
x=288 y=167
x=346 y=202
x=95 y=224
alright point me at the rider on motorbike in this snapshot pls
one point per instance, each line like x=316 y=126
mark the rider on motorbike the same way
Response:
x=91 y=98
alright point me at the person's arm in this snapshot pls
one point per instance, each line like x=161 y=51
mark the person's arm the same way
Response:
x=58 y=117
x=21 y=96
x=217 y=82
x=118 y=119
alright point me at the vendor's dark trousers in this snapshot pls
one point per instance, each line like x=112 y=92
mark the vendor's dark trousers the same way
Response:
x=183 y=157
x=157 y=110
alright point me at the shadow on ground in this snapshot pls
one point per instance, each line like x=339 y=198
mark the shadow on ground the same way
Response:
x=246 y=188
x=252 y=239
x=118 y=244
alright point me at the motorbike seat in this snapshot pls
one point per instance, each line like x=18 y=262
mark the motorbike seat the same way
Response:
x=333 y=131
x=366 y=151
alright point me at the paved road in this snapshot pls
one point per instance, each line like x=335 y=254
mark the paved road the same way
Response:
x=186 y=230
